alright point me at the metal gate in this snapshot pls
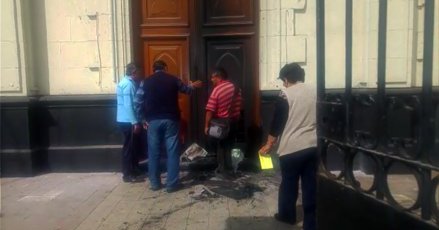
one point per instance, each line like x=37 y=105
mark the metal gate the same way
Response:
x=385 y=132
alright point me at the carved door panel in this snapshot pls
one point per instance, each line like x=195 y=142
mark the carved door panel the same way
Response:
x=228 y=12
x=229 y=55
x=159 y=13
x=173 y=52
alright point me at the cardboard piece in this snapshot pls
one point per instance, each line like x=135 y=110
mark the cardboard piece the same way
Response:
x=266 y=162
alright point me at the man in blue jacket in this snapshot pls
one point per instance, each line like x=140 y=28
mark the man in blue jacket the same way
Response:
x=127 y=120
x=157 y=107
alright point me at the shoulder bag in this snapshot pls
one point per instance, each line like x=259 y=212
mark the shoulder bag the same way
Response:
x=219 y=128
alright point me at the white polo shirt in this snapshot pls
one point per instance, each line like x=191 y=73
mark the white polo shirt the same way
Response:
x=300 y=129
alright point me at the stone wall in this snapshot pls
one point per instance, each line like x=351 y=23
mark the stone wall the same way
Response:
x=52 y=47
x=287 y=34
x=13 y=76
x=71 y=47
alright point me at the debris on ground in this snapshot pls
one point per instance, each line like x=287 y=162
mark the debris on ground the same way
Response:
x=202 y=192
x=237 y=186
x=194 y=151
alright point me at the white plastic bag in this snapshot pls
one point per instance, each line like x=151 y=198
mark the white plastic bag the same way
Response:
x=194 y=151
x=237 y=156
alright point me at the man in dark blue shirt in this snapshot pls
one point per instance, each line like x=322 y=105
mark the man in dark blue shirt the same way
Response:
x=157 y=108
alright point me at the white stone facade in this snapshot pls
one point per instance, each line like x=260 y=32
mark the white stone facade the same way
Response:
x=61 y=47
x=69 y=46
x=288 y=34
x=13 y=65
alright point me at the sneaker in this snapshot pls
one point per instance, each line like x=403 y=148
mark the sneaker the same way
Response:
x=284 y=220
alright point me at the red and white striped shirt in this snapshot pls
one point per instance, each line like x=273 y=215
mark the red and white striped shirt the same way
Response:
x=221 y=98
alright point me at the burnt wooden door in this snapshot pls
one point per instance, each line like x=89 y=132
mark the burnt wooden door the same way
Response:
x=193 y=36
x=229 y=32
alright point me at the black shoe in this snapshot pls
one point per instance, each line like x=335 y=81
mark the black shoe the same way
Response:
x=284 y=220
x=174 y=189
x=136 y=173
x=139 y=174
x=155 y=188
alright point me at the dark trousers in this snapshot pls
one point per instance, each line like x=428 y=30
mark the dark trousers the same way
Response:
x=303 y=165
x=129 y=150
x=140 y=142
x=223 y=148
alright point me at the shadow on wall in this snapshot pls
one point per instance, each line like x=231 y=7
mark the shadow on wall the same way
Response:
x=434 y=158
x=436 y=140
x=41 y=120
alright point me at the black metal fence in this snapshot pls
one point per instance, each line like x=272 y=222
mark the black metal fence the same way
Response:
x=383 y=132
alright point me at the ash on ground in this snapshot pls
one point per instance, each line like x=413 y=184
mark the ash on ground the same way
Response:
x=237 y=186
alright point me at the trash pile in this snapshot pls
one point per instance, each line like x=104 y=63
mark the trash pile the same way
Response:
x=234 y=184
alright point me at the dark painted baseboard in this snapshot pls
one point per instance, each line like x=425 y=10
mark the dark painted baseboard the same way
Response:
x=18 y=162
x=52 y=126
x=66 y=134
x=59 y=133
x=84 y=159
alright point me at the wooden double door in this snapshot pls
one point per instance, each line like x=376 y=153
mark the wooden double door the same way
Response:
x=193 y=36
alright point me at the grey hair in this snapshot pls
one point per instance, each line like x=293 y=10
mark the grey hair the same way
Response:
x=131 y=68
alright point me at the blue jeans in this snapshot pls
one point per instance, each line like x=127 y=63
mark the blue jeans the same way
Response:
x=163 y=131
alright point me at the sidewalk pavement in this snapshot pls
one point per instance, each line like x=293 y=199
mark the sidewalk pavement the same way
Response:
x=87 y=201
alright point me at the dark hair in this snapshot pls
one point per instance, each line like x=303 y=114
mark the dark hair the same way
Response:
x=221 y=72
x=292 y=72
x=159 y=65
x=131 y=68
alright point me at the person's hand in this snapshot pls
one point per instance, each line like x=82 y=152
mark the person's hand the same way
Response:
x=196 y=84
x=145 y=125
x=136 y=128
x=265 y=149
x=206 y=130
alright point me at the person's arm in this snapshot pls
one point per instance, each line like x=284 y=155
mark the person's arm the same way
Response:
x=128 y=97
x=209 y=115
x=238 y=101
x=277 y=124
x=280 y=116
x=139 y=103
x=211 y=107
x=271 y=140
x=188 y=88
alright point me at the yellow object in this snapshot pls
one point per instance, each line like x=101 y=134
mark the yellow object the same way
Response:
x=266 y=162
